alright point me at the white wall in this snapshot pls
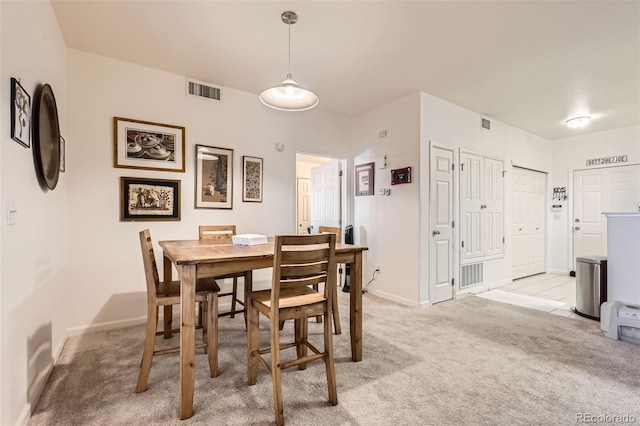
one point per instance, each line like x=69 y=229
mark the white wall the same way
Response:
x=396 y=228
x=104 y=252
x=34 y=251
x=570 y=154
x=389 y=225
x=455 y=127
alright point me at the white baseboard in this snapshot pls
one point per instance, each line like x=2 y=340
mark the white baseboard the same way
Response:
x=480 y=288
x=395 y=298
x=558 y=271
x=25 y=415
x=111 y=325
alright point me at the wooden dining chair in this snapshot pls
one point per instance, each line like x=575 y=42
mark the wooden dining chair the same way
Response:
x=167 y=294
x=220 y=232
x=336 y=311
x=299 y=262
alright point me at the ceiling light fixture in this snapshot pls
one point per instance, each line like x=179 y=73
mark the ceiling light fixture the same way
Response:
x=288 y=95
x=578 y=122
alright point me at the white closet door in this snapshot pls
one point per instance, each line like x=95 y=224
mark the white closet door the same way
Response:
x=470 y=201
x=493 y=207
x=529 y=225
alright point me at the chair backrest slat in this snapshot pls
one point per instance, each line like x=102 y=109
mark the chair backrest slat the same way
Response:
x=331 y=230
x=216 y=232
x=149 y=261
x=312 y=255
x=302 y=260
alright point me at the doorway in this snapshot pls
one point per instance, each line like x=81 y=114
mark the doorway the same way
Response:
x=609 y=189
x=320 y=194
x=529 y=224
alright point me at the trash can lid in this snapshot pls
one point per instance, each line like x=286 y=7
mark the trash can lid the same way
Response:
x=592 y=259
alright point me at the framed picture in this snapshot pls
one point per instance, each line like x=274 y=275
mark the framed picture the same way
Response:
x=20 y=114
x=214 y=177
x=63 y=144
x=402 y=175
x=252 y=179
x=146 y=200
x=146 y=145
x=365 y=175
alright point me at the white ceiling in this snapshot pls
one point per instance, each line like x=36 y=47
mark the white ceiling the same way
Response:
x=531 y=64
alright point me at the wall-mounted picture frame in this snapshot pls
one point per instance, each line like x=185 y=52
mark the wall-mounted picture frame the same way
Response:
x=214 y=177
x=148 y=200
x=63 y=154
x=365 y=179
x=148 y=146
x=399 y=176
x=20 y=114
x=252 y=179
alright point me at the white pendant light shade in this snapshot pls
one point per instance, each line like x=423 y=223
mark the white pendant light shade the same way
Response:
x=289 y=96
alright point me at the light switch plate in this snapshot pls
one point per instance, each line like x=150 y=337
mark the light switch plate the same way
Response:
x=12 y=213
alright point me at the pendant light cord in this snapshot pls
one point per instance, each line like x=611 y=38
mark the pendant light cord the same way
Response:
x=289 y=25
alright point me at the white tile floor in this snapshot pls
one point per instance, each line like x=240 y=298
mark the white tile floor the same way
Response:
x=561 y=288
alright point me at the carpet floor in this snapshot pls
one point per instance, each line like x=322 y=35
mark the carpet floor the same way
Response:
x=470 y=361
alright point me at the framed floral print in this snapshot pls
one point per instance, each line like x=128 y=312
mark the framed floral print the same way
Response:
x=252 y=179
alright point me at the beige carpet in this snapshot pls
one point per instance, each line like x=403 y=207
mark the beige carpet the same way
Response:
x=467 y=362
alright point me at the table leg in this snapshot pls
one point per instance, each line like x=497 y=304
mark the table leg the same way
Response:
x=355 y=305
x=168 y=309
x=248 y=286
x=187 y=340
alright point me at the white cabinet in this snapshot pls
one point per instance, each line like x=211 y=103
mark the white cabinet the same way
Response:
x=623 y=258
x=482 y=207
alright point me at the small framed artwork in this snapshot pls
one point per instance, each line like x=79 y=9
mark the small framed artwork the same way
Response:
x=402 y=175
x=365 y=179
x=20 y=114
x=150 y=146
x=63 y=144
x=146 y=200
x=214 y=177
x=252 y=179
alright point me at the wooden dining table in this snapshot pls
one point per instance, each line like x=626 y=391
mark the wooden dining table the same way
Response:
x=211 y=258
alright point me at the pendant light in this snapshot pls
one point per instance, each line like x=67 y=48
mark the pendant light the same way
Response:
x=288 y=95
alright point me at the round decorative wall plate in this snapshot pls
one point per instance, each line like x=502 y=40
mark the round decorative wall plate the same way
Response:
x=46 y=137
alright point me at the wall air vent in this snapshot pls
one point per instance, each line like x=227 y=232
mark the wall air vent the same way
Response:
x=486 y=124
x=471 y=274
x=203 y=90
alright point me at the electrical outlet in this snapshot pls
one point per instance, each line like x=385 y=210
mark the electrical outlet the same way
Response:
x=378 y=268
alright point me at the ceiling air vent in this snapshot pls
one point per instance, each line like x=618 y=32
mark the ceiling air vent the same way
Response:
x=203 y=90
x=486 y=124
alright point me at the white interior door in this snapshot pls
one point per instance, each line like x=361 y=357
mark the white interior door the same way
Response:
x=441 y=230
x=303 y=210
x=471 y=193
x=610 y=189
x=529 y=225
x=325 y=195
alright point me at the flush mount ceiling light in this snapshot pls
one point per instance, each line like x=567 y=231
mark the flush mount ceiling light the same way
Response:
x=288 y=95
x=578 y=122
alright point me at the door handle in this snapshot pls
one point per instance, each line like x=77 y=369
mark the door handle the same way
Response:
x=519 y=229
x=577 y=228
x=436 y=232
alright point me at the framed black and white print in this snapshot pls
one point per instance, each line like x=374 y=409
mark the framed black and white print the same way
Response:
x=365 y=179
x=214 y=177
x=252 y=179
x=146 y=200
x=20 y=114
x=146 y=145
